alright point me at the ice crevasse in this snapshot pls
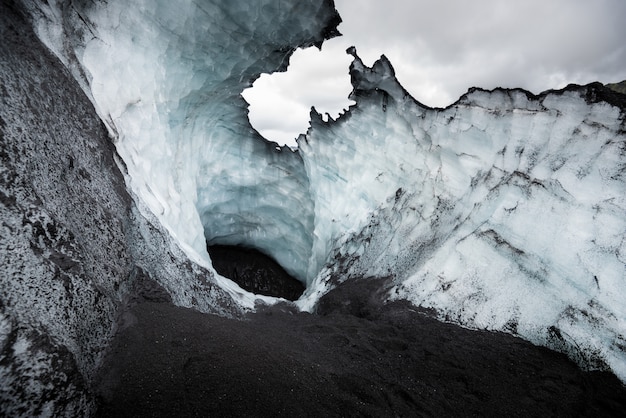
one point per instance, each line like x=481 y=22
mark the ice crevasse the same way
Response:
x=504 y=211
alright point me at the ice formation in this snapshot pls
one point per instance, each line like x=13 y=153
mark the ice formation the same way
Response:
x=166 y=78
x=504 y=211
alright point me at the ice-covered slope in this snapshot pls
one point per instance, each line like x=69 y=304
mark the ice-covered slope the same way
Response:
x=504 y=211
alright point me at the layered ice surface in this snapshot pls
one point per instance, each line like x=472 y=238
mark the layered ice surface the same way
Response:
x=504 y=211
x=166 y=78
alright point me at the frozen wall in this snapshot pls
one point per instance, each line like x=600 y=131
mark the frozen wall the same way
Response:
x=166 y=78
x=504 y=211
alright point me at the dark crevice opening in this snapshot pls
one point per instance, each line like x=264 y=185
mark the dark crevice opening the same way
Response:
x=254 y=271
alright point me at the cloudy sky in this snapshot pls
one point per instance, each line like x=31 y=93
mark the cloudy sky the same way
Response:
x=440 y=48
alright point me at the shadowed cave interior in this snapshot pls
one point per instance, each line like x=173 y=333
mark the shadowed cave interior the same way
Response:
x=254 y=271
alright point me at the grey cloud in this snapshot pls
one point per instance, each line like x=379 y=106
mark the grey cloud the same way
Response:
x=579 y=39
x=441 y=48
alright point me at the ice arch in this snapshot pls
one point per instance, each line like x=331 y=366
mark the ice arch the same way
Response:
x=166 y=78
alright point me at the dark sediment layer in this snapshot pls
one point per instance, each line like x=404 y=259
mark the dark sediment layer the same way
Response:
x=356 y=357
x=254 y=271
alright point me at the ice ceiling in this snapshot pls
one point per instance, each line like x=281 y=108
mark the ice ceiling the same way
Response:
x=503 y=211
x=166 y=78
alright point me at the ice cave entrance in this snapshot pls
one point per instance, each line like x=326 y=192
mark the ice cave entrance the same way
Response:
x=254 y=271
x=280 y=103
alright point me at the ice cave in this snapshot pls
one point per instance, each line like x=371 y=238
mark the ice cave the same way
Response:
x=127 y=152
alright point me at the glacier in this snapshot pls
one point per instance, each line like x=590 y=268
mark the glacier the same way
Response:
x=504 y=211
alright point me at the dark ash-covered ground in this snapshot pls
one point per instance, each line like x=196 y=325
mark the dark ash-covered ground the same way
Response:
x=355 y=357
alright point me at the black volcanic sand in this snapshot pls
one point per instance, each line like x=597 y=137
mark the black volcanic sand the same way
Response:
x=354 y=358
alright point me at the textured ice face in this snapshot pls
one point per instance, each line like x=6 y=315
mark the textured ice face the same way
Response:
x=166 y=78
x=503 y=211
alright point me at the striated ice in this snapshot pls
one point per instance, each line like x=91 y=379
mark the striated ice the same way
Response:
x=504 y=211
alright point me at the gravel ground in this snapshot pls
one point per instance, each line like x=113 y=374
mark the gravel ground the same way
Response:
x=355 y=357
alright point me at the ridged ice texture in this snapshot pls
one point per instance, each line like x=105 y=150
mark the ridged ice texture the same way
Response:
x=166 y=77
x=504 y=211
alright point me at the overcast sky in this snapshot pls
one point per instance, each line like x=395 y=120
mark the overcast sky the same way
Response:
x=440 y=48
